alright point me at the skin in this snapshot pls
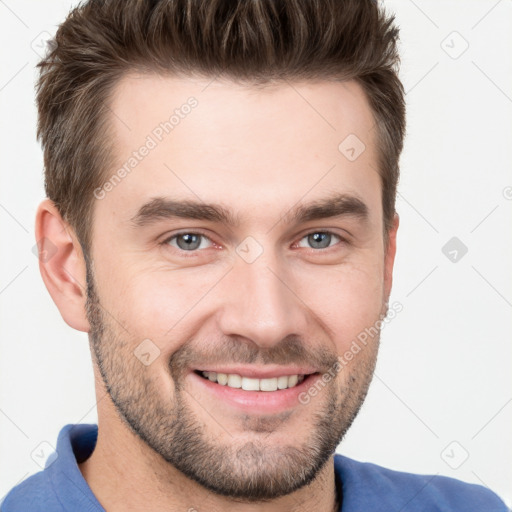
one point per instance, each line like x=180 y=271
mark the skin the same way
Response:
x=259 y=152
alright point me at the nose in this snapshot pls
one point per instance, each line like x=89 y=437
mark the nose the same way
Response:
x=260 y=304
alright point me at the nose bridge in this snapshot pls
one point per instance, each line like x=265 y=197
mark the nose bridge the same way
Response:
x=259 y=304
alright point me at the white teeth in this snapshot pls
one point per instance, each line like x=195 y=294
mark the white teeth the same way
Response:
x=250 y=384
x=222 y=378
x=292 y=380
x=234 y=380
x=282 y=382
x=268 y=384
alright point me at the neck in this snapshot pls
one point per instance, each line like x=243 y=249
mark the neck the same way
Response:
x=126 y=475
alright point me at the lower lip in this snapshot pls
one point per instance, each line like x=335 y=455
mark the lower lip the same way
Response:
x=266 y=402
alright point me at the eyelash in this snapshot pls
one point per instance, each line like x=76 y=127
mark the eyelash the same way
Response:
x=195 y=251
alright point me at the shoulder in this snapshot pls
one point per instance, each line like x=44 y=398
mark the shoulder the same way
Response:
x=34 y=494
x=367 y=484
x=60 y=486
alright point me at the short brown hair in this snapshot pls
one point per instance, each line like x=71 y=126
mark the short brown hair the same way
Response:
x=252 y=41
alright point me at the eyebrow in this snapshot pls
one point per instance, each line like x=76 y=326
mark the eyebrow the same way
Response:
x=161 y=208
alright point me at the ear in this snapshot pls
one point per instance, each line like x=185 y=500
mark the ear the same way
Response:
x=62 y=265
x=389 y=258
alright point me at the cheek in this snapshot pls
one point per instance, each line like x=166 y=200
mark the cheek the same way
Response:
x=158 y=303
x=348 y=302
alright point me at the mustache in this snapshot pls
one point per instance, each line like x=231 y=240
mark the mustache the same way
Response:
x=291 y=350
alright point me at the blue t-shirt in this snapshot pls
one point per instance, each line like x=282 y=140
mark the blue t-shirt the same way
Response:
x=363 y=487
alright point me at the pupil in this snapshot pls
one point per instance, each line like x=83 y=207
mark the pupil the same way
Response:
x=188 y=241
x=320 y=240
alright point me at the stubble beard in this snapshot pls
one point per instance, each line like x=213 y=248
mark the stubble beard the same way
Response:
x=252 y=471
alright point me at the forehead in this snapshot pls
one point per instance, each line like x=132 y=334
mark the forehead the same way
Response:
x=249 y=147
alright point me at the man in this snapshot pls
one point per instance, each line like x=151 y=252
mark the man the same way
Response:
x=221 y=181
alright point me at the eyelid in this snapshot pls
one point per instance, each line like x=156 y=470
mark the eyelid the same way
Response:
x=342 y=240
x=197 y=231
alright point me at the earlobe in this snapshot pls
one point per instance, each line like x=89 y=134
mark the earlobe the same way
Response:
x=390 y=256
x=62 y=265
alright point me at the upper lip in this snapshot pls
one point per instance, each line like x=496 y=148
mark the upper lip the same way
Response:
x=259 y=372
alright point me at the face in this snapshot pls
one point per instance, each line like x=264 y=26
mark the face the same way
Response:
x=233 y=264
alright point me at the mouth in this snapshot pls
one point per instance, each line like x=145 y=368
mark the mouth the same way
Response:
x=269 y=384
x=253 y=391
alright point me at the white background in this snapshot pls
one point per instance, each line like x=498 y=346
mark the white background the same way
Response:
x=442 y=389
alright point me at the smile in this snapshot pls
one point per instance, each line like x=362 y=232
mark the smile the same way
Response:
x=236 y=381
x=268 y=389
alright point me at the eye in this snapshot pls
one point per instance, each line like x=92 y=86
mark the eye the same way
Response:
x=188 y=241
x=320 y=239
